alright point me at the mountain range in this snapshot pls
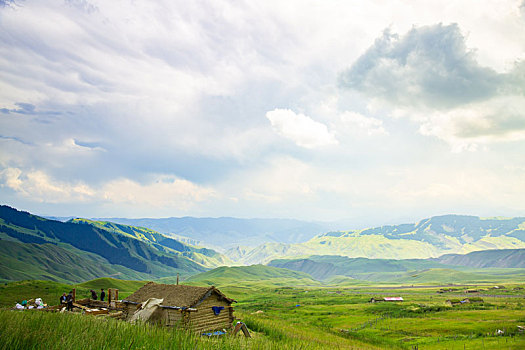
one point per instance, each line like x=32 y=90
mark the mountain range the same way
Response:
x=432 y=237
x=77 y=250
x=225 y=232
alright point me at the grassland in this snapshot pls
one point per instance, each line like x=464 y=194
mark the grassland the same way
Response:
x=283 y=317
x=423 y=319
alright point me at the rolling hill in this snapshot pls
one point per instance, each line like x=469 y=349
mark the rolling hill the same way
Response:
x=506 y=258
x=251 y=276
x=489 y=266
x=327 y=266
x=76 y=251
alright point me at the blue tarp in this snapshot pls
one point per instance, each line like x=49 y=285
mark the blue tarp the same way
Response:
x=217 y=333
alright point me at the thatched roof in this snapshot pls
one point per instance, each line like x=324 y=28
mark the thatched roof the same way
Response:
x=175 y=295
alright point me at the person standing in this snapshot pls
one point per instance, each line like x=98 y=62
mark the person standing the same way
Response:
x=69 y=301
x=102 y=294
x=93 y=294
x=63 y=299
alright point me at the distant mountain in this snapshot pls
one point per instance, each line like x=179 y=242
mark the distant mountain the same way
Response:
x=224 y=233
x=429 y=238
x=80 y=249
x=506 y=258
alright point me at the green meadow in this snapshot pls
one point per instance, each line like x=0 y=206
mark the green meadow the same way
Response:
x=283 y=317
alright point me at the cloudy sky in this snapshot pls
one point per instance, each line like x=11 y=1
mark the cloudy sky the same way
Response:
x=368 y=111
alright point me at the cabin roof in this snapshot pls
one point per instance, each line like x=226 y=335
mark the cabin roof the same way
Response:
x=175 y=295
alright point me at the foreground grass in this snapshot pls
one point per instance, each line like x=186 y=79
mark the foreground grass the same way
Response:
x=44 y=330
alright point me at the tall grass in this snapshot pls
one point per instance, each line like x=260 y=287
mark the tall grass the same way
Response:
x=43 y=330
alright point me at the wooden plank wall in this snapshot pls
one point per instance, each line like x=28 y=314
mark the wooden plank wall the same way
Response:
x=205 y=319
x=173 y=317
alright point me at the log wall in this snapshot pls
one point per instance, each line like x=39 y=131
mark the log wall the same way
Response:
x=205 y=319
x=174 y=317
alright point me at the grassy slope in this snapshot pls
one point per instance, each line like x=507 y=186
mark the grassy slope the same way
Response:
x=325 y=266
x=131 y=257
x=242 y=278
x=49 y=291
x=513 y=258
x=123 y=286
x=52 y=262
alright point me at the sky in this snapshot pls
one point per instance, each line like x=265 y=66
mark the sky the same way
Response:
x=370 y=112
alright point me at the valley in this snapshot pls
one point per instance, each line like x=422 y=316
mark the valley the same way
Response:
x=313 y=294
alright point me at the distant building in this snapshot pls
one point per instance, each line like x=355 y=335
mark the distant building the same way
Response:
x=376 y=300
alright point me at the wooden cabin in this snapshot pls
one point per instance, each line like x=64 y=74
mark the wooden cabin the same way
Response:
x=196 y=308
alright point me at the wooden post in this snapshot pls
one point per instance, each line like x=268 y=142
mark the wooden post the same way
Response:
x=74 y=294
x=109 y=296
x=177 y=278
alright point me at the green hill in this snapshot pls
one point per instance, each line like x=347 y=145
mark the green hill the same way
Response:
x=49 y=291
x=507 y=258
x=251 y=276
x=73 y=252
x=446 y=276
x=124 y=286
x=47 y=261
x=323 y=267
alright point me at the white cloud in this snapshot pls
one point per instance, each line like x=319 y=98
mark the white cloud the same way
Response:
x=164 y=192
x=301 y=129
x=39 y=187
x=358 y=124
x=500 y=119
